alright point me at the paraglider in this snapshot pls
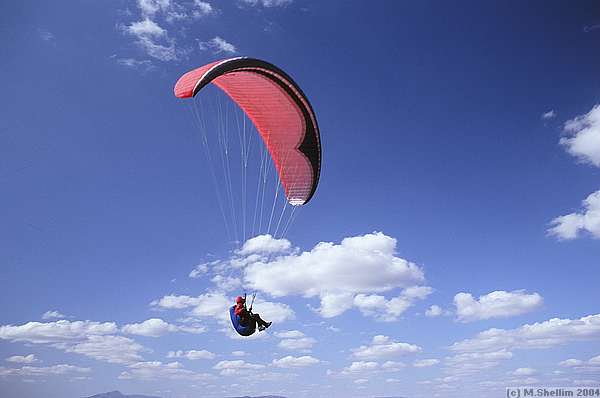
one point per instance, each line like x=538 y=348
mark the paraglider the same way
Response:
x=244 y=321
x=280 y=111
x=287 y=125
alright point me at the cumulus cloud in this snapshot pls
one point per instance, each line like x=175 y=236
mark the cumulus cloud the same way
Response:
x=157 y=370
x=550 y=333
x=264 y=244
x=228 y=368
x=583 y=140
x=588 y=220
x=366 y=367
x=595 y=360
x=219 y=45
x=146 y=28
x=53 y=315
x=433 y=311
x=192 y=355
x=61 y=369
x=382 y=347
x=381 y=309
x=93 y=339
x=112 y=349
x=468 y=363
x=226 y=283
x=424 y=363
x=55 y=332
x=153 y=39
x=289 y=334
x=498 y=304
x=361 y=366
x=149 y=8
x=548 y=115
x=569 y=363
x=523 y=372
x=199 y=270
x=300 y=344
x=336 y=273
x=156 y=327
x=22 y=359
x=295 y=362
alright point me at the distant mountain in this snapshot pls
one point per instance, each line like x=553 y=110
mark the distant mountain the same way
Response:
x=262 y=396
x=118 y=394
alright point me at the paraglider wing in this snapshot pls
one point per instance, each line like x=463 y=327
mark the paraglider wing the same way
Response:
x=278 y=109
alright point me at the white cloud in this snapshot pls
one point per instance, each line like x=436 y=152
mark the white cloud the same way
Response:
x=498 y=304
x=289 y=334
x=146 y=28
x=150 y=7
x=523 y=372
x=202 y=8
x=336 y=273
x=381 y=309
x=301 y=344
x=153 y=39
x=219 y=45
x=548 y=115
x=360 y=367
x=423 y=363
x=54 y=332
x=365 y=367
x=199 y=270
x=61 y=369
x=53 y=315
x=238 y=353
x=112 y=349
x=468 y=363
x=264 y=244
x=225 y=283
x=595 y=360
x=189 y=12
x=433 y=311
x=569 y=363
x=584 y=139
x=157 y=370
x=93 y=339
x=228 y=368
x=23 y=359
x=295 y=362
x=382 y=347
x=569 y=226
x=154 y=327
x=392 y=366
x=267 y=3
x=192 y=355
x=176 y=302
x=550 y=333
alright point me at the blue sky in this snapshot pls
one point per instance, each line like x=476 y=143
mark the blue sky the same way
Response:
x=451 y=248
